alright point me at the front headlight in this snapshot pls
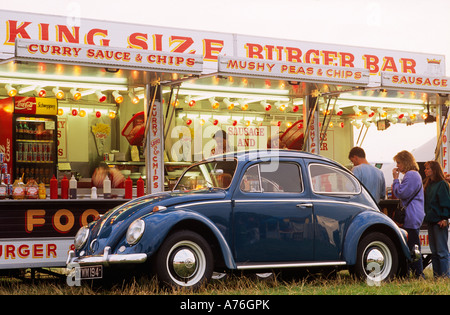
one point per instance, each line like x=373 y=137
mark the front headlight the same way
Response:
x=81 y=237
x=135 y=231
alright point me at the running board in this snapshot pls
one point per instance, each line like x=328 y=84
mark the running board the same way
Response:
x=265 y=265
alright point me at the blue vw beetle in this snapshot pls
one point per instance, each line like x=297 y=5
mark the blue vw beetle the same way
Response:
x=261 y=210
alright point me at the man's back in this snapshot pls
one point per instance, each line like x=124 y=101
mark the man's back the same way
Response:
x=373 y=179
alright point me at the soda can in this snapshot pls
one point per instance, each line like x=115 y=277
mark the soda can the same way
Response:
x=10 y=189
x=2 y=157
x=45 y=151
x=105 y=157
x=34 y=148
x=39 y=150
x=7 y=179
x=4 y=168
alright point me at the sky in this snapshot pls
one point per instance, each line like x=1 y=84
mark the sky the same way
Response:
x=408 y=25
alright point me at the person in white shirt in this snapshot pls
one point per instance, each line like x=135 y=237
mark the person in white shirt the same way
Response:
x=371 y=177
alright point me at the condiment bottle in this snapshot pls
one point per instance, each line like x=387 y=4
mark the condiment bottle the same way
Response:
x=18 y=189
x=140 y=187
x=53 y=188
x=73 y=188
x=94 y=192
x=3 y=190
x=64 y=188
x=128 y=188
x=32 y=189
x=107 y=188
x=42 y=191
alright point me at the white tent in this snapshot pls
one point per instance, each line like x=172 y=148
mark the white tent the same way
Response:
x=426 y=151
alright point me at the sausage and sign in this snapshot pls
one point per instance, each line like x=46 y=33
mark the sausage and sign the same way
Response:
x=40 y=234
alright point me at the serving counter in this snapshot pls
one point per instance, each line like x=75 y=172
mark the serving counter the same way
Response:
x=39 y=233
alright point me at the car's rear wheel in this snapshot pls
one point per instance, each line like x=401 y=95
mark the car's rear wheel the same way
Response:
x=377 y=259
x=184 y=260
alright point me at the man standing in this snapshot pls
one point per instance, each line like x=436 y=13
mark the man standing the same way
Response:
x=370 y=176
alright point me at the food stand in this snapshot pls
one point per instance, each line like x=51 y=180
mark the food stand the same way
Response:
x=187 y=85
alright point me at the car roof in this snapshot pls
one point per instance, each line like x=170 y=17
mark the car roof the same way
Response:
x=272 y=153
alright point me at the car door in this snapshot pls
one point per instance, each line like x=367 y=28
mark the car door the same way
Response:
x=272 y=214
x=335 y=194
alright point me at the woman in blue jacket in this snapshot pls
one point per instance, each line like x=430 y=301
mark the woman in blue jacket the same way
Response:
x=437 y=212
x=410 y=193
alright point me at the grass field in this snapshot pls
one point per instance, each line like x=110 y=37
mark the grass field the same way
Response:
x=341 y=284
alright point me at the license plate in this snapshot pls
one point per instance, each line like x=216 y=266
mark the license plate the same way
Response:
x=91 y=272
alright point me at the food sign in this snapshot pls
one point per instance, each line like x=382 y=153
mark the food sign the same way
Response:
x=156 y=179
x=115 y=57
x=135 y=39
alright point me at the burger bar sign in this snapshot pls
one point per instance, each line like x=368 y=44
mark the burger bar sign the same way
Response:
x=146 y=45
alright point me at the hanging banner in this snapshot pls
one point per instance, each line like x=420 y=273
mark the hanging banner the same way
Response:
x=292 y=71
x=415 y=82
x=144 y=38
x=107 y=56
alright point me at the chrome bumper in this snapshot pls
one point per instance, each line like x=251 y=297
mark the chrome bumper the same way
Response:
x=415 y=253
x=106 y=259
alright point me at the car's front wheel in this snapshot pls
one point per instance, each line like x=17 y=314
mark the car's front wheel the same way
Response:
x=377 y=259
x=184 y=260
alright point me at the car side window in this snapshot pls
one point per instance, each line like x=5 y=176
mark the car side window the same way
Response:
x=251 y=181
x=286 y=178
x=331 y=180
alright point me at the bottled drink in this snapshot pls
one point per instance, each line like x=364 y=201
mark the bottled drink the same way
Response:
x=64 y=188
x=73 y=188
x=94 y=192
x=107 y=188
x=18 y=189
x=25 y=131
x=42 y=191
x=140 y=187
x=3 y=190
x=19 y=131
x=53 y=188
x=32 y=189
x=128 y=188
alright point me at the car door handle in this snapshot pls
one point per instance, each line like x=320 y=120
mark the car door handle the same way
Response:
x=305 y=205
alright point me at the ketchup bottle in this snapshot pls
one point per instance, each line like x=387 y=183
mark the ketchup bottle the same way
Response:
x=53 y=188
x=140 y=187
x=128 y=188
x=64 y=188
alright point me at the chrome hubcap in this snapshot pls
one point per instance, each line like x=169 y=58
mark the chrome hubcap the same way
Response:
x=186 y=263
x=377 y=261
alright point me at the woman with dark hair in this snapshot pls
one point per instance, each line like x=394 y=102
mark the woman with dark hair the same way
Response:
x=437 y=212
x=410 y=193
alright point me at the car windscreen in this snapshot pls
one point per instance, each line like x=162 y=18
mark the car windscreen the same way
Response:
x=209 y=174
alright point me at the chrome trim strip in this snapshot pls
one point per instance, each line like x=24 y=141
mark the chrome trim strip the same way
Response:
x=275 y=200
x=202 y=203
x=306 y=201
x=290 y=265
x=106 y=259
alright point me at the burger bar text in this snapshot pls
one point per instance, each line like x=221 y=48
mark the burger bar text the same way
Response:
x=329 y=58
x=209 y=45
x=25 y=251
